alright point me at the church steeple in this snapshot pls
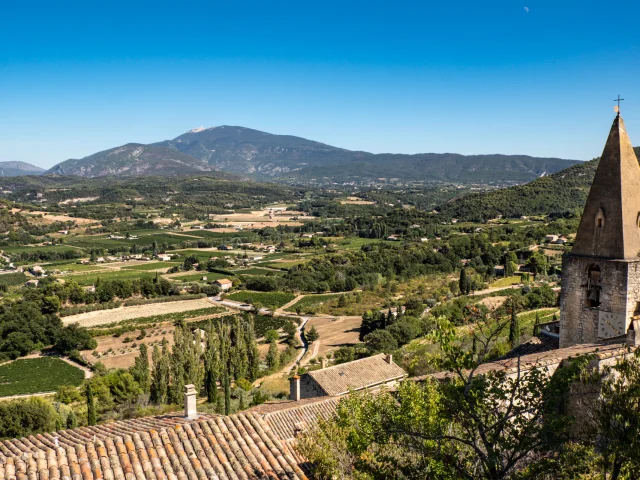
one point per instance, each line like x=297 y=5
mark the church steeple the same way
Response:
x=610 y=224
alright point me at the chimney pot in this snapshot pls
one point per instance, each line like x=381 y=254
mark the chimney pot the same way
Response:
x=388 y=358
x=294 y=388
x=324 y=363
x=190 y=406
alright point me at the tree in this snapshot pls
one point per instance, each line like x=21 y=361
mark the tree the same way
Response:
x=290 y=329
x=617 y=418
x=273 y=358
x=211 y=365
x=465 y=426
x=464 y=284
x=312 y=335
x=161 y=374
x=74 y=337
x=536 y=326
x=91 y=408
x=380 y=341
x=140 y=369
x=51 y=304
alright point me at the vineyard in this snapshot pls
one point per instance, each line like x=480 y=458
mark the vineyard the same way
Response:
x=266 y=299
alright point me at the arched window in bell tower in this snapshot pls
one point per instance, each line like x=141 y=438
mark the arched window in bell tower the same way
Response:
x=600 y=219
x=594 y=286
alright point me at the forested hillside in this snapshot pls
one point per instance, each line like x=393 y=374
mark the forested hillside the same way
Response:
x=560 y=193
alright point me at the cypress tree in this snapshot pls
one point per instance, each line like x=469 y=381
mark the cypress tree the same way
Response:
x=463 y=283
x=253 y=355
x=536 y=326
x=273 y=360
x=71 y=420
x=227 y=394
x=91 y=407
x=177 y=363
x=514 y=327
x=211 y=366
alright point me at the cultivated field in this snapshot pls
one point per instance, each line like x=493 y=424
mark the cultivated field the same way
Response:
x=34 y=375
x=334 y=334
x=105 y=317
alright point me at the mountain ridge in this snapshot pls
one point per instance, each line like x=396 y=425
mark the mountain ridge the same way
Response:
x=16 y=168
x=290 y=159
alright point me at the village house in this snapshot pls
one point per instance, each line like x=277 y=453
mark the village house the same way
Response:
x=223 y=284
x=368 y=373
x=163 y=257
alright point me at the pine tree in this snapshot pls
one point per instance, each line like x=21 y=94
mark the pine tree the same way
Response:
x=91 y=407
x=312 y=335
x=514 y=327
x=140 y=369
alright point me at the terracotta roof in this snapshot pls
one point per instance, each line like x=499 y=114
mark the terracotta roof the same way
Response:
x=223 y=281
x=544 y=359
x=299 y=416
x=538 y=344
x=356 y=375
x=241 y=446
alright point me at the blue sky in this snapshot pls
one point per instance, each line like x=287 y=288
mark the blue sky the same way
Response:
x=519 y=76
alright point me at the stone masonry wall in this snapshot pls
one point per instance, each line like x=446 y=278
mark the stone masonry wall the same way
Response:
x=620 y=282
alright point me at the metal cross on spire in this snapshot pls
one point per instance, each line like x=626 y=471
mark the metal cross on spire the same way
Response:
x=617 y=108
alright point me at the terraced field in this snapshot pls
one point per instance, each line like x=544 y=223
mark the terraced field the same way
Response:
x=105 y=317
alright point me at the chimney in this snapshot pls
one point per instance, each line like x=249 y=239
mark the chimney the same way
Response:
x=389 y=358
x=190 y=408
x=324 y=363
x=294 y=388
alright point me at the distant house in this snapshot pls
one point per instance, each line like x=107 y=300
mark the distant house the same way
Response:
x=551 y=238
x=367 y=373
x=31 y=283
x=63 y=232
x=100 y=260
x=498 y=270
x=224 y=284
x=307 y=235
x=197 y=227
x=224 y=247
x=560 y=241
x=164 y=257
x=37 y=270
x=393 y=238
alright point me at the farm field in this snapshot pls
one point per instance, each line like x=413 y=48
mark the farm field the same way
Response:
x=33 y=375
x=311 y=302
x=104 y=317
x=257 y=271
x=506 y=281
x=87 y=279
x=146 y=266
x=334 y=334
x=197 y=276
x=267 y=299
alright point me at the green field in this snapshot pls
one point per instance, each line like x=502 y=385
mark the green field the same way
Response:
x=90 y=279
x=507 y=281
x=267 y=299
x=284 y=265
x=74 y=267
x=257 y=271
x=33 y=375
x=151 y=266
x=196 y=276
x=310 y=302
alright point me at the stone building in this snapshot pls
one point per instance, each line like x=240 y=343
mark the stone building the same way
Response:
x=367 y=373
x=601 y=276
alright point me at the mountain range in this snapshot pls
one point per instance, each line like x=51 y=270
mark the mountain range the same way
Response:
x=14 y=169
x=285 y=158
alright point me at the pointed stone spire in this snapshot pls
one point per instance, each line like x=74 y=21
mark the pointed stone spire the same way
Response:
x=609 y=227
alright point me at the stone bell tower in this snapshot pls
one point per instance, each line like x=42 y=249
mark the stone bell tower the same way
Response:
x=601 y=276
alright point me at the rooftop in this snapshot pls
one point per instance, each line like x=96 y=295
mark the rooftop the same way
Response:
x=356 y=375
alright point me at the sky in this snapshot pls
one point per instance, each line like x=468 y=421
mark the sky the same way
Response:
x=535 y=77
